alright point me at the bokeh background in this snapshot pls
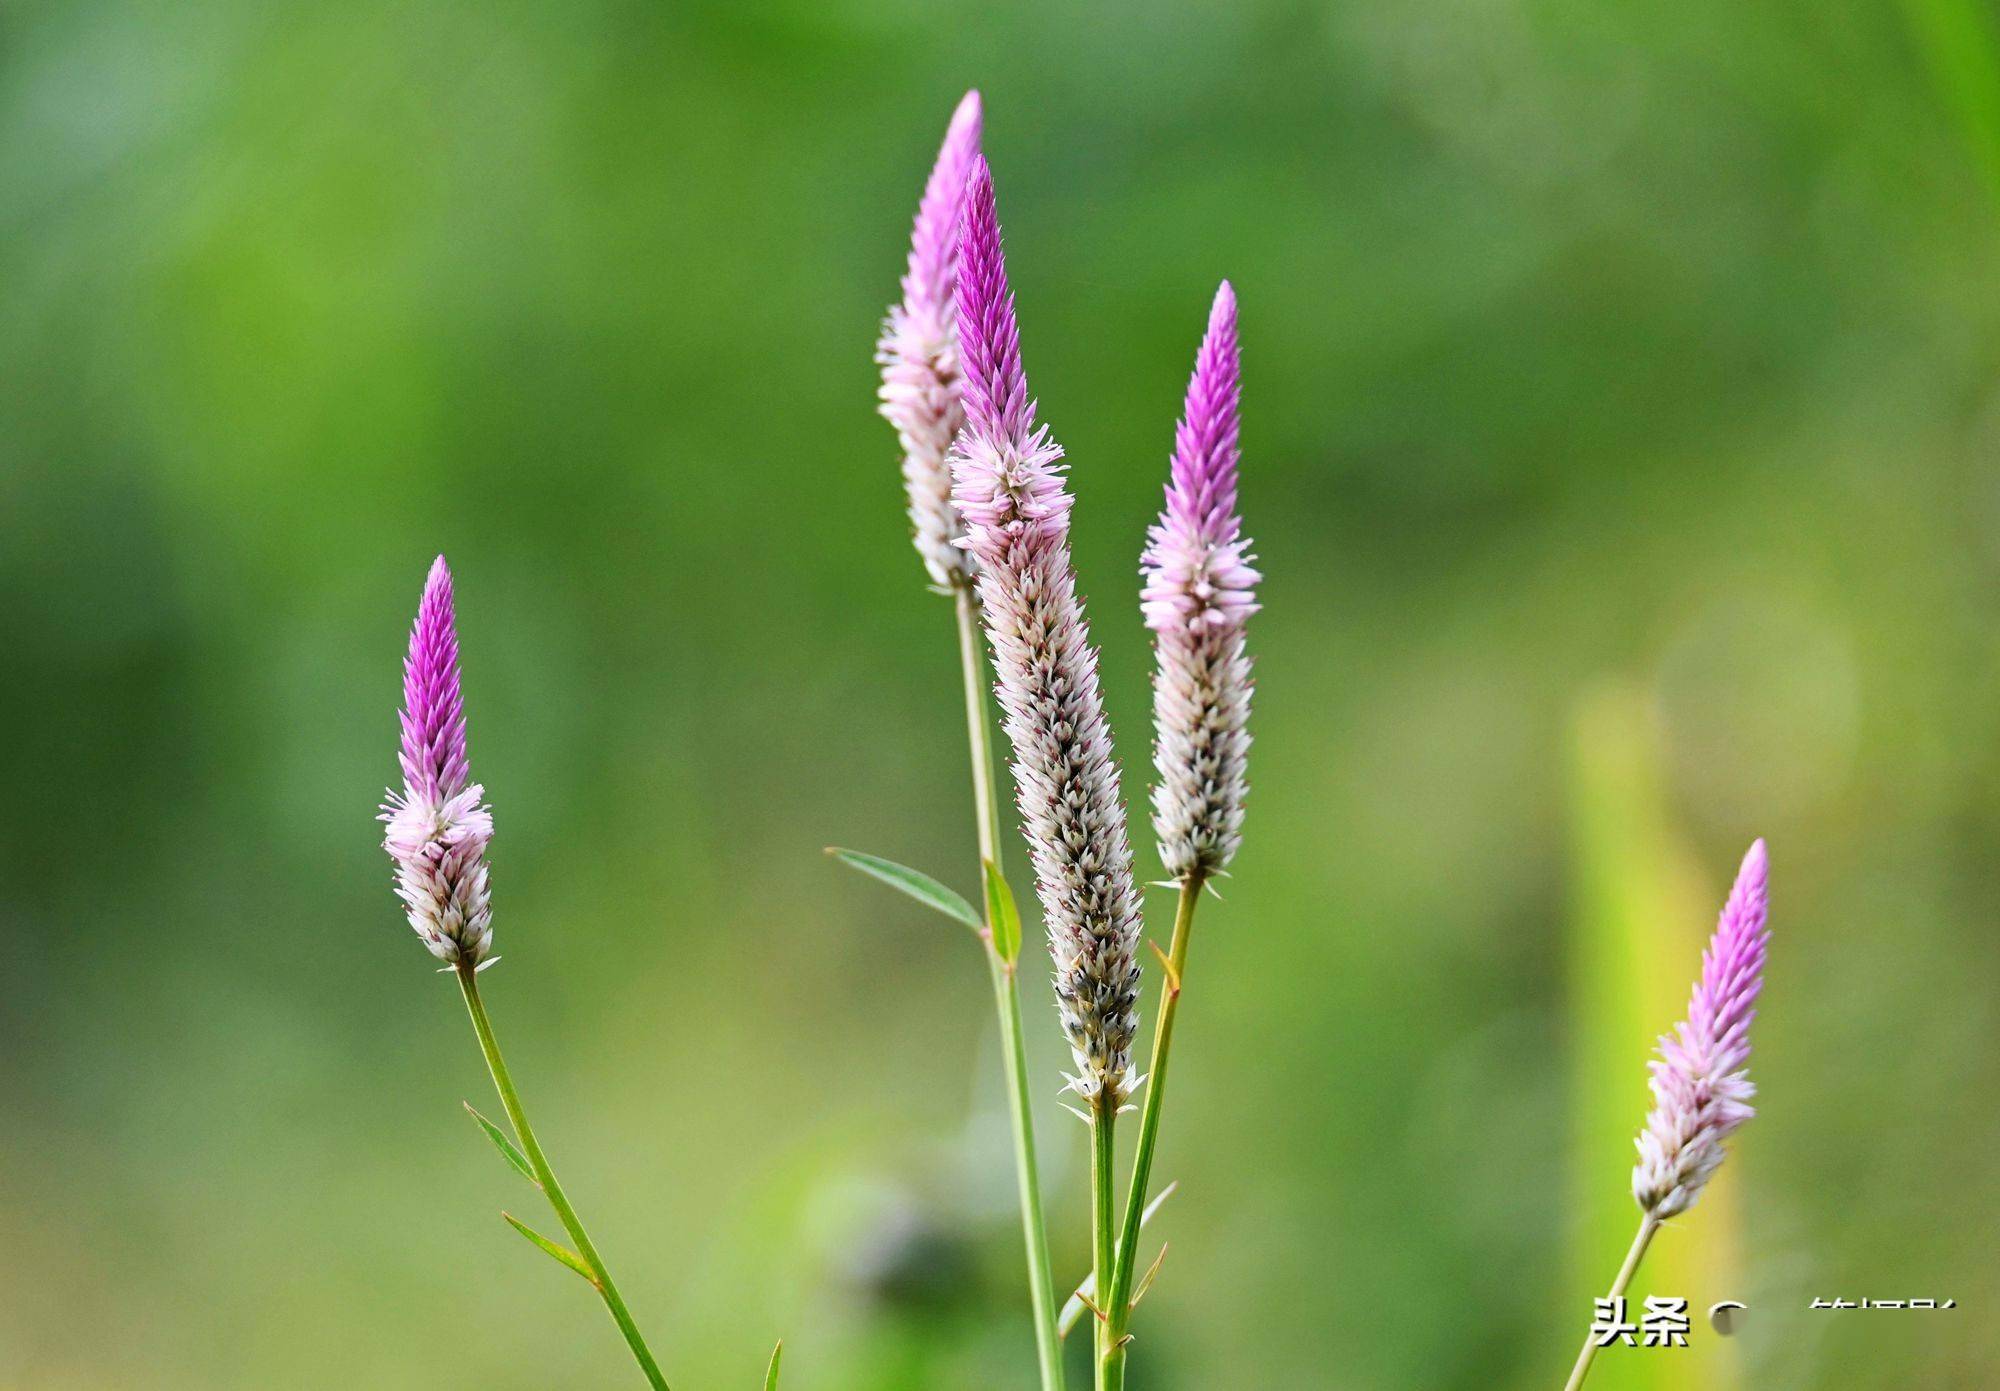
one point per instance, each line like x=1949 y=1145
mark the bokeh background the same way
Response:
x=1622 y=409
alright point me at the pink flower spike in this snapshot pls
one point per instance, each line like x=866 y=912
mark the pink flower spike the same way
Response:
x=1199 y=588
x=438 y=829
x=1008 y=485
x=918 y=351
x=1701 y=1091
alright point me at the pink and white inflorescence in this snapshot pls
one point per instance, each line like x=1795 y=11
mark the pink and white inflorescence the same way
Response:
x=1701 y=1093
x=921 y=392
x=1008 y=485
x=1199 y=589
x=438 y=829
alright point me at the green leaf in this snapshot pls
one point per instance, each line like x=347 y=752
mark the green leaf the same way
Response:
x=504 y=1145
x=771 y=1376
x=921 y=887
x=560 y=1253
x=1001 y=912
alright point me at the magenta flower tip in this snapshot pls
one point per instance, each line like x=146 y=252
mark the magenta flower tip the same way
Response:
x=928 y=285
x=1196 y=563
x=996 y=384
x=438 y=829
x=433 y=755
x=1756 y=867
x=1701 y=1089
x=1007 y=472
x=921 y=393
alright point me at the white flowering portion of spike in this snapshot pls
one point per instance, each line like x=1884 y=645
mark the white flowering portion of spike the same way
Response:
x=439 y=849
x=920 y=397
x=1067 y=790
x=1201 y=717
x=1682 y=1149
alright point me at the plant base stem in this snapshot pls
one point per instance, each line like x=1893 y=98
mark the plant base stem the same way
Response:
x=503 y=1082
x=1118 y=1305
x=1647 y=1226
x=1103 y=1217
x=1041 y=1284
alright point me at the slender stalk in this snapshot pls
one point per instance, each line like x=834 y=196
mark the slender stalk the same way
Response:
x=1007 y=1004
x=1041 y=1284
x=979 y=732
x=1647 y=1226
x=468 y=982
x=1118 y=1308
x=1103 y=1217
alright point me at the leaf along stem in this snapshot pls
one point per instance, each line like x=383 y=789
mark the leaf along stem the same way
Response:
x=510 y=1101
x=1085 y=1294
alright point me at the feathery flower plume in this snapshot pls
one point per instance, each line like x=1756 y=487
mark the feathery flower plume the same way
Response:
x=438 y=828
x=919 y=354
x=1197 y=594
x=1008 y=485
x=1700 y=1091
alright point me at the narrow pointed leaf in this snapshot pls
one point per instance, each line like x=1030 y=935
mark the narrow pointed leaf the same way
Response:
x=1076 y=1305
x=921 y=887
x=1086 y=1293
x=771 y=1376
x=1001 y=913
x=1152 y=1273
x=560 y=1253
x=504 y=1145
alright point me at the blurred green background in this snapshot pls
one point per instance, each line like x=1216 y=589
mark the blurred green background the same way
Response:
x=1621 y=420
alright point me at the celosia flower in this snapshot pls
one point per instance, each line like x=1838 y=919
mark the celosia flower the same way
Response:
x=438 y=829
x=918 y=350
x=1198 y=592
x=1700 y=1091
x=1008 y=485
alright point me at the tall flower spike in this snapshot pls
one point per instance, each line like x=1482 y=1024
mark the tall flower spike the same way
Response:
x=1700 y=1090
x=438 y=828
x=1008 y=485
x=918 y=350
x=1198 y=591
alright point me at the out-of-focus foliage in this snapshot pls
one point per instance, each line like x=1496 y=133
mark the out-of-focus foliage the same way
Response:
x=1641 y=348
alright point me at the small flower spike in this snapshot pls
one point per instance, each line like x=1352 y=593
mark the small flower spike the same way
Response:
x=1008 y=485
x=1199 y=589
x=921 y=391
x=438 y=830
x=1701 y=1093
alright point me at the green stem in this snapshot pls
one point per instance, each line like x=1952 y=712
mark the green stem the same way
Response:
x=468 y=982
x=1041 y=1284
x=1103 y=1217
x=1647 y=1226
x=1118 y=1307
x=1007 y=1003
x=979 y=733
